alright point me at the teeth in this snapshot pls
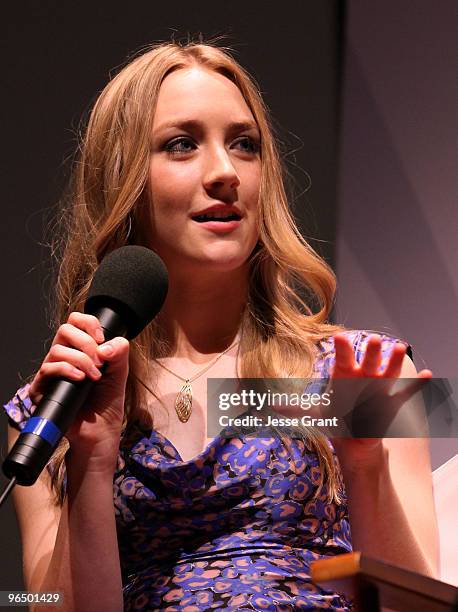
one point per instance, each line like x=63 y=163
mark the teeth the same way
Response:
x=216 y=216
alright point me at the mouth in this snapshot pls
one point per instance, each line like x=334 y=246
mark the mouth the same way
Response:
x=220 y=218
x=217 y=217
x=219 y=222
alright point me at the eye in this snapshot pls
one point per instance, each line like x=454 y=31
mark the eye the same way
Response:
x=180 y=145
x=247 y=144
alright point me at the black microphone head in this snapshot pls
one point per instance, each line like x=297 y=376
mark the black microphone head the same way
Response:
x=133 y=281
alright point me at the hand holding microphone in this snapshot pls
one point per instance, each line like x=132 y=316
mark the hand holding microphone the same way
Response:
x=78 y=353
x=128 y=290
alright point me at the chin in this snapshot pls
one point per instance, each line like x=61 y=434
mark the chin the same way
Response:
x=224 y=264
x=219 y=258
x=223 y=260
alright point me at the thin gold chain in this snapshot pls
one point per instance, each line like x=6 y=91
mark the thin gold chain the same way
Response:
x=207 y=367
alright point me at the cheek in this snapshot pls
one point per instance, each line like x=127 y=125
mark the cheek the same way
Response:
x=251 y=185
x=171 y=187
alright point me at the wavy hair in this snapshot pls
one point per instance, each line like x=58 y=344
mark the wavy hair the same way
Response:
x=280 y=330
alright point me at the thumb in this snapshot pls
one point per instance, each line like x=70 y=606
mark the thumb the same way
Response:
x=115 y=354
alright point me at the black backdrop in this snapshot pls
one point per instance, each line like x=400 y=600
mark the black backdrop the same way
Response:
x=57 y=56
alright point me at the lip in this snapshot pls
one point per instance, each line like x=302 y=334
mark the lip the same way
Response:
x=216 y=208
x=220 y=227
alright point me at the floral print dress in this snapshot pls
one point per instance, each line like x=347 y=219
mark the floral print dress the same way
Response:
x=234 y=528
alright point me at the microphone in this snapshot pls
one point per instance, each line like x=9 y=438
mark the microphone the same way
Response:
x=128 y=290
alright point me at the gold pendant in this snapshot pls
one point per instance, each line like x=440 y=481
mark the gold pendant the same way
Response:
x=183 y=402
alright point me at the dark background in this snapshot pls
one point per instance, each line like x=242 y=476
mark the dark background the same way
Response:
x=327 y=69
x=58 y=56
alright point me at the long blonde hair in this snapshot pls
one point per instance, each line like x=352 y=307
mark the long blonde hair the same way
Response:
x=280 y=331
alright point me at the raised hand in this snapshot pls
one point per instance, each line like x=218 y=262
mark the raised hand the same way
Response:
x=78 y=351
x=378 y=389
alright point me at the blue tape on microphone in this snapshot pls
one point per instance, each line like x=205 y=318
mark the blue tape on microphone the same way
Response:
x=43 y=428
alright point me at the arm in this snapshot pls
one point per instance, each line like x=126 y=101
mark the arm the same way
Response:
x=391 y=507
x=74 y=549
x=389 y=484
x=85 y=563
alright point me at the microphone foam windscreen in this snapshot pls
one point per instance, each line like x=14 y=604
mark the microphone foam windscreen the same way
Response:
x=133 y=281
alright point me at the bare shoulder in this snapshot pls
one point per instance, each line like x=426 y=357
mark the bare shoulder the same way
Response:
x=408 y=369
x=38 y=520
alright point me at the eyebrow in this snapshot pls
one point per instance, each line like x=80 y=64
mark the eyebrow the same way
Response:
x=189 y=124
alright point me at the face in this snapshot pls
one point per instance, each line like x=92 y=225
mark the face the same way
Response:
x=205 y=172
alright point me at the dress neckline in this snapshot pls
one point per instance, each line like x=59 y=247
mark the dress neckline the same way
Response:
x=153 y=433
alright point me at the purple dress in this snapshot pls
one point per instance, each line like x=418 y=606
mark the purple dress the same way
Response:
x=234 y=528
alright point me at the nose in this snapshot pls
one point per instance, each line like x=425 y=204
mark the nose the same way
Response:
x=220 y=171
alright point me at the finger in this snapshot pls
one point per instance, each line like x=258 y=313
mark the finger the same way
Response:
x=35 y=397
x=73 y=337
x=372 y=359
x=412 y=386
x=78 y=359
x=52 y=370
x=89 y=324
x=115 y=352
x=59 y=368
x=345 y=357
x=395 y=361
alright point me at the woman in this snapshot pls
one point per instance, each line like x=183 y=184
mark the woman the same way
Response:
x=178 y=156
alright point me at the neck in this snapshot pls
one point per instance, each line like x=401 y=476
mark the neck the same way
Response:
x=202 y=316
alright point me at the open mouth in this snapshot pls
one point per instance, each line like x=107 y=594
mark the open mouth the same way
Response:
x=222 y=218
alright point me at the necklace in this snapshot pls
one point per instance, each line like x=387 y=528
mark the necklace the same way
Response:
x=183 y=401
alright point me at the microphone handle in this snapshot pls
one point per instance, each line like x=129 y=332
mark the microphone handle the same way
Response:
x=54 y=415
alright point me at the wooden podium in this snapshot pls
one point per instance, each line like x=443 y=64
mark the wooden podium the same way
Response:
x=375 y=585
